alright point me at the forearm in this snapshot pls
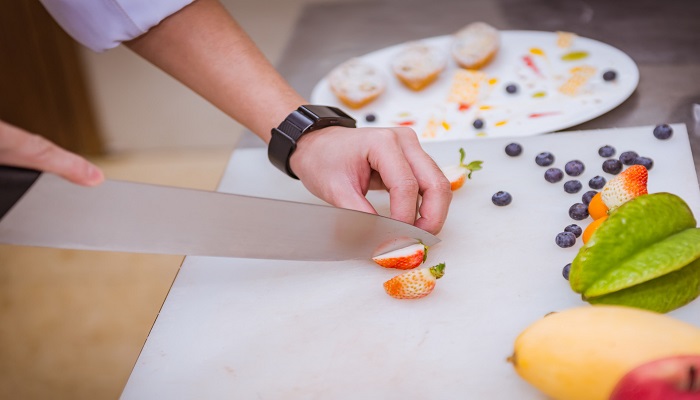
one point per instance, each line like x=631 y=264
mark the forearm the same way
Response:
x=205 y=49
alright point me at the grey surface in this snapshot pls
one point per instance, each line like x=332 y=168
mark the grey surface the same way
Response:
x=141 y=218
x=662 y=37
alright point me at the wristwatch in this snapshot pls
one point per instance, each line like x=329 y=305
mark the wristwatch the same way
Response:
x=305 y=119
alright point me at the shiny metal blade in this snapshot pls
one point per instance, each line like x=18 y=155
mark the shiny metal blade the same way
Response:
x=141 y=218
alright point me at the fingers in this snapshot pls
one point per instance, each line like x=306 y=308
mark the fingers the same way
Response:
x=389 y=160
x=339 y=165
x=22 y=149
x=433 y=185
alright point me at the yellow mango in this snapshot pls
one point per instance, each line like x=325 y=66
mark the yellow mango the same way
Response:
x=582 y=353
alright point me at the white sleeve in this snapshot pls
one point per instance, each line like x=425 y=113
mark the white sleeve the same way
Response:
x=104 y=24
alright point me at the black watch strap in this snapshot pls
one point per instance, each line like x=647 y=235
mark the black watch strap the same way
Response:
x=305 y=119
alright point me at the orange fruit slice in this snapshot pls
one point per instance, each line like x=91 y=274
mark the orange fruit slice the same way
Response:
x=596 y=208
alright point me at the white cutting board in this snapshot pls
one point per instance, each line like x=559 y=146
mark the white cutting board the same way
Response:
x=257 y=329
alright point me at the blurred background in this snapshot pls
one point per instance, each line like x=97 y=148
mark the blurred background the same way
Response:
x=72 y=323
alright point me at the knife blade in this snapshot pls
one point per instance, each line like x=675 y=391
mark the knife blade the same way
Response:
x=42 y=209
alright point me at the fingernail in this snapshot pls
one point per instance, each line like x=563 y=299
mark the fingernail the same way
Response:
x=94 y=174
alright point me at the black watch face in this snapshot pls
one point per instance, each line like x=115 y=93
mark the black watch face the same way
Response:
x=323 y=112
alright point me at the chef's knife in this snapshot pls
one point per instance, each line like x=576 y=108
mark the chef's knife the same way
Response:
x=42 y=209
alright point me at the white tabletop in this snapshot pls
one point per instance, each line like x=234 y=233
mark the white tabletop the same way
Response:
x=240 y=328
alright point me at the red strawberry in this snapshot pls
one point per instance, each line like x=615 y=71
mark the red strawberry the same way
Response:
x=405 y=258
x=458 y=174
x=414 y=284
x=631 y=183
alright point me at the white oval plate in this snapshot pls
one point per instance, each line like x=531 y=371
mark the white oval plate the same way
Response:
x=537 y=107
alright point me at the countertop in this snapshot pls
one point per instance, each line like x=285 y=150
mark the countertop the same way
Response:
x=662 y=40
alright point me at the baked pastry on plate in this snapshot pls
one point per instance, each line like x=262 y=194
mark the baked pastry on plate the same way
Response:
x=475 y=45
x=356 y=83
x=417 y=65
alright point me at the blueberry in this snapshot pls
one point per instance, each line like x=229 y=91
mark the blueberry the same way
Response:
x=512 y=88
x=574 y=168
x=501 y=198
x=663 y=131
x=553 y=175
x=597 y=182
x=566 y=270
x=478 y=123
x=628 y=157
x=514 y=149
x=572 y=186
x=606 y=151
x=575 y=229
x=565 y=239
x=370 y=117
x=612 y=166
x=586 y=198
x=544 y=159
x=609 y=75
x=647 y=162
x=578 y=211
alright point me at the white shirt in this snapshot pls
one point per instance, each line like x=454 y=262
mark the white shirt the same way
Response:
x=103 y=24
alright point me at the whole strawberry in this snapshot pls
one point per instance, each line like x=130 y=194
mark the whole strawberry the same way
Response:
x=405 y=258
x=414 y=284
x=629 y=184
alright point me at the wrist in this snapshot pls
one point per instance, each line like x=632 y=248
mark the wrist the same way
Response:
x=305 y=119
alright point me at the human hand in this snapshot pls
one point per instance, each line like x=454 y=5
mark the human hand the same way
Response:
x=339 y=165
x=19 y=148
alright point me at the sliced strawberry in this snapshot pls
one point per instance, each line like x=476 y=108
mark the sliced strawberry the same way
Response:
x=629 y=184
x=458 y=174
x=405 y=258
x=414 y=284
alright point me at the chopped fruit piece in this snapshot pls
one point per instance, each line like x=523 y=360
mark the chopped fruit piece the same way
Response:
x=592 y=227
x=478 y=123
x=574 y=168
x=612 y=166
x=596 y=208
x=370 y=117
x=597 y=182
x=458 y=174
x=414 y=284
x=628 y=157
x=405 y=258
x=574 y=56
x=575 y=229
x=572 y=186
x=606 y=151
x=578 y=211
x=663 y=131
x=586 y=198
x=565 y=239
x=531 y=64
x=609 y=76
x=514 y=149
x=631 y=183
x=553 y=175
x=512 y=88
x=647 y=162
x=544 y=159
x=565 y=271
x=501 y=198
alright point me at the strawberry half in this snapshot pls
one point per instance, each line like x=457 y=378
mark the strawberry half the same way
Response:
x=458 y=174
x=414 y=284
x=405 y=258
x=631 y=183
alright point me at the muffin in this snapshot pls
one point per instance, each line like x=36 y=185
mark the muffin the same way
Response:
x=356 y=83
x=417 y=65
x=475 y=45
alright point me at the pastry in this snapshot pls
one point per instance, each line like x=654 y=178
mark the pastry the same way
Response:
x=356 y=83
x=418 y=65
x=475 y=45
